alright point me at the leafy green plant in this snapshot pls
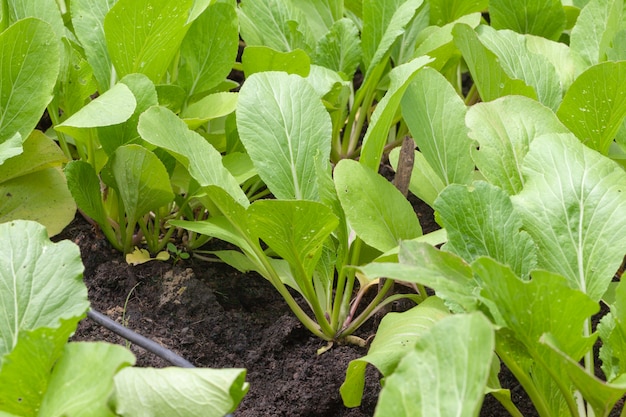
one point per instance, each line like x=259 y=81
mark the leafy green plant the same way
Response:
x=41 y=374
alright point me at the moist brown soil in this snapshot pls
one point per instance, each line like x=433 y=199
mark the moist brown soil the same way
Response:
x=216 y=317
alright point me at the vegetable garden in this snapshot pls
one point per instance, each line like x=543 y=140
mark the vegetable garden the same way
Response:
x=430 y=194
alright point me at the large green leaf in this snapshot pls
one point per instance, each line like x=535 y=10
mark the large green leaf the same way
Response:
x=572 y=205
x=41 y=281
x=385 y=112
x=379 y=214
x=435 y=115
x=32 y=186
x=340 y=48
x=595 y=105
x=286 y=130
x=480 y=221
x=568 y=64
x=395 y=337
x=82 y=380
x=140 y=180
x=277 y=24
x=296 y=231
x=447 y=11
x=491 y=79
x=535 y=17
x=88 y=21
x=160 y=127
x=446 y=373
x=596 y=27
x=207 y=392
x=29 y=66
x=209 y=49
x=519 y=63
x=504 y=129
x=144 y=35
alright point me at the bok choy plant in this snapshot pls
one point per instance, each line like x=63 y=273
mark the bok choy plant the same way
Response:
x=320 y=224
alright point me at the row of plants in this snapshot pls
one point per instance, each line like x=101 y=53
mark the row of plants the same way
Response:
x=523 y=164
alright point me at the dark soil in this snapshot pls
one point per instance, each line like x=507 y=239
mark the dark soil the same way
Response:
x=216 y=317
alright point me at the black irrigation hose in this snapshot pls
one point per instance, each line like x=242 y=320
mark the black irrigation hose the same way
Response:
x=139 y=340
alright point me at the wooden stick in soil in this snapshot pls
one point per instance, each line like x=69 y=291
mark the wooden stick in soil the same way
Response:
x=401 y=181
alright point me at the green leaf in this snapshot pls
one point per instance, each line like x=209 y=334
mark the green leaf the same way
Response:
x=144 y=35
x=84 y=185
x=446 y=11
x=600 y=395
x=262 y=58
x=82 y=380
x=395 y=337
x=160 y=127
x=321 y=14
x=435 y=115
x=612 y=329
x=112 y=137
x=46 y=10
x=115 y=106
x=88 y=22
x=535 y=17
x=481 y=221
x=379 y=214
x=595 y=105
x=437 y=42
x=208 y=108
x=421 y=263
x=277 y=24
x=209 y=49
x=11 y=147
x=545 y=304
x=208 y=392
x=457 y=350
x=29 y=66
x=567 y=63
x=340 y=48
x=383 y=117
x=504 y=130
x=596 y=27
x=140 y=179
x=383 y=23
x=519 y=63
x=491 y=80
x=286 y=130
x=32 y=186
x=26 y=369
x=296 y=231
x=42 y=281
x=572 y=205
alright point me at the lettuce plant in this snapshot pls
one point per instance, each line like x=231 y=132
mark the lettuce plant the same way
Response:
x=41 y=374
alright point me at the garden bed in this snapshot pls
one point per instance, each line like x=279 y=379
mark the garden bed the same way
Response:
x=216 y=317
